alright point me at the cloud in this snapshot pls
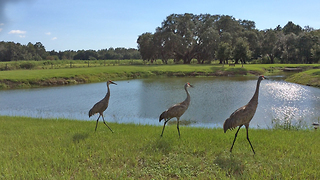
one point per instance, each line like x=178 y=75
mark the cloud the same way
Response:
x=54 y=38
x=48 y=33
x=0 y=29
x=17 y=32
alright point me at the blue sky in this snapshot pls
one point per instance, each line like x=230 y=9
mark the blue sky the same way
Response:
x=98 y=24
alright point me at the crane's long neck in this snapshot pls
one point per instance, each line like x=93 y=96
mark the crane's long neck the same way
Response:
x=108 y=93
x=187 y=101
x=256 y=94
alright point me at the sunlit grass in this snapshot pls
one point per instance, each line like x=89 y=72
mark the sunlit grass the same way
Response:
x=310 y=77
x=69 y=149
x=81 y=73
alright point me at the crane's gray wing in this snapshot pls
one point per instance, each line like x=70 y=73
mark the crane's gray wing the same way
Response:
x=176 y=110
x=98 y=107
x=241 y=116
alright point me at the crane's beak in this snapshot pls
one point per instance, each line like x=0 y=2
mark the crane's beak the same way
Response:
x=111 y=82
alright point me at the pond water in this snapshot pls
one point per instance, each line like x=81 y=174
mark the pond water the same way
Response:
x=141 y=101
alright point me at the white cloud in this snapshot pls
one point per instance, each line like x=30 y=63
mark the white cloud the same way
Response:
x=0 y=29
x=48 y=33
x=54 y=38
x=17 y=32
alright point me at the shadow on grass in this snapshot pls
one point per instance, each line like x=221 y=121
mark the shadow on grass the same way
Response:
x=232 y=166
x=79 y=137
x=161 y=145
x=182 y=122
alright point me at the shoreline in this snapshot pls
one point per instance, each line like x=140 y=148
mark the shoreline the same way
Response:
x=19 y=79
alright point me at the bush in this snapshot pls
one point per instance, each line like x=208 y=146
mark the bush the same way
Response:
x=27 y=65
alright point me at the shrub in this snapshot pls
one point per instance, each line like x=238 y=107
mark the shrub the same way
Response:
x=27 y=65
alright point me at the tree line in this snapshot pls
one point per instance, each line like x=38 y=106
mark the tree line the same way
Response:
x=10 y=51
x=206 y=37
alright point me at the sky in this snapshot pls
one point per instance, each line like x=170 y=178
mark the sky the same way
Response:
x=101 y=24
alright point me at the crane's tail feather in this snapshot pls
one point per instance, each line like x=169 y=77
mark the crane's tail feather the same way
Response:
x=91 y=113
x=228 y=124
x=162 y=116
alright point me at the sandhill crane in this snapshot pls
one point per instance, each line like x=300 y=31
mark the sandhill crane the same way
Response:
x=101 y=106
x=243 y=115
x=176 y=110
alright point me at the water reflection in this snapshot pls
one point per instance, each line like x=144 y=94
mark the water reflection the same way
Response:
x=286 y=91
x=292 y=102
x=142 y=101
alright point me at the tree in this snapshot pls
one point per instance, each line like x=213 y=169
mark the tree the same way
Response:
x=207 y=38
x=224 y=52
x=290 y=27
x=184 y=39
x=241 y=51
x=207 y=45
x=146 y=46
x=247 y=24
x=162 y=45
x=254 y=39
x=229 y=29
x=269 y=42
x=305 y=44
x=289 y=48
x=315 y=51
x=40 y=51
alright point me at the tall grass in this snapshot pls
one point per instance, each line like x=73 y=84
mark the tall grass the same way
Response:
x=64 y=149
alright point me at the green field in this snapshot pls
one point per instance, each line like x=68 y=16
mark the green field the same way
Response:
x=79 y=73
x=34 y=148
x=64 y=149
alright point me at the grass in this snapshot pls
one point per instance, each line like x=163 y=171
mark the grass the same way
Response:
x=64 y=149
x=21 y=78
x=310 y=78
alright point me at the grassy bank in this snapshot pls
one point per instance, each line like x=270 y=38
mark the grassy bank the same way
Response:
x=310 y=78
x=63 y=149
x=63 y=76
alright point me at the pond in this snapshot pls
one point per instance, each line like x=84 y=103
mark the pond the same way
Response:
x=141 y=101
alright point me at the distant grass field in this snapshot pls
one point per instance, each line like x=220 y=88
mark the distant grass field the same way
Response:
x=69 y=149
x=63 y=75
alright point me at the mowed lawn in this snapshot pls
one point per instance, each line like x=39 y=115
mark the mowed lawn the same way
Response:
x=39 y=74
x=69 y=149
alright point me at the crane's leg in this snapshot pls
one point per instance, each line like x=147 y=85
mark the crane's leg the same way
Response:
x=178 y=126
x=235 y=137
x=164 y=125
x=106 y=124
x=249 y=140
x=97 y=123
